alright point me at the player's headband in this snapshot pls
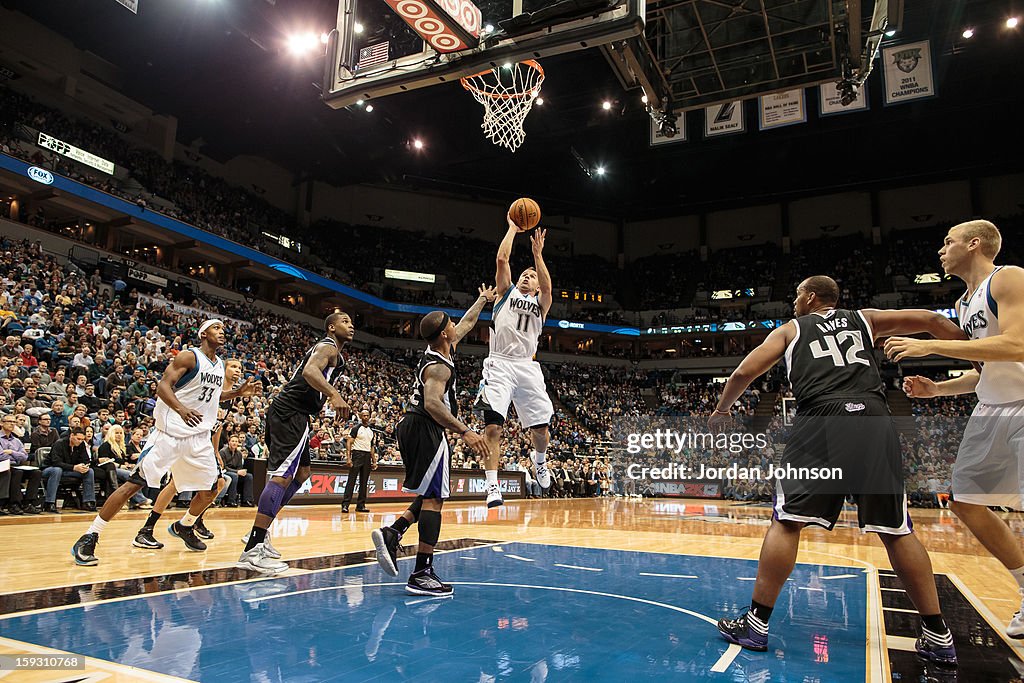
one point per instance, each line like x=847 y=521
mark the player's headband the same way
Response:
x=440 y=328
x=208 y=324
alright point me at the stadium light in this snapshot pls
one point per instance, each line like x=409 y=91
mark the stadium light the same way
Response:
x=968 y=33
x=358 y=27
x=1012 y=22
x=417 y=143
x=600 y=170
x=324 y=38
x=644 y=99
x=890 y=33
x=539 y=102
x=606 y=105
x=369 y=108
x=301 y=44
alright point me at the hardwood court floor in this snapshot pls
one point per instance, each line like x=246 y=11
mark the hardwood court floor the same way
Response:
x=36 y=557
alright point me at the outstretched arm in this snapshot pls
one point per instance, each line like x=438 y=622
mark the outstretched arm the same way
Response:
x=503 y=275
x=470 y=317
x=543 y=276
x=912 y=321
x=1007 y=288
x=758 y=362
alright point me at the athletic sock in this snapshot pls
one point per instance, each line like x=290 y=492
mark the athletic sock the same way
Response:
x=401 y=525
x=538 y=457
x=1018 y=574
x=188 y=519
x=935 y=631
x=934 y=623
x=152 y=520
x=98 y=525
x=492 y=477
x=762 y=612
x=423 y=560
x=256 y=536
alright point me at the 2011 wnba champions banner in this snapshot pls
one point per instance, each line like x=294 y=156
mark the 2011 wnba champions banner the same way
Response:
x=908 y=72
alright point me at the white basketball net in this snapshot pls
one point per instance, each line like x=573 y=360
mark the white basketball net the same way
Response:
x=507 y=95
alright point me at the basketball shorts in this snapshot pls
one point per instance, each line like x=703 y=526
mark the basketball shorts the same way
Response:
x=426 y=455
x=287 y=443
x=859 y=438
x=988 y=468
x=190 y=460
x=519 y=382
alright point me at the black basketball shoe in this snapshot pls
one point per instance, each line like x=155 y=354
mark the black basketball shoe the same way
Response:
x=201 y=531
x=84 y=550
x=386 y=541
x=188 y=535
x=426 y=582
x=145 y=539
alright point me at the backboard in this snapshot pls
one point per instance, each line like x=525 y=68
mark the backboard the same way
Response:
x=375 y=50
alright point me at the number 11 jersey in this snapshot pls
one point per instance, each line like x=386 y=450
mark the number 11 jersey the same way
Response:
x=518 y=321
x=198 y=390
x=831 y=358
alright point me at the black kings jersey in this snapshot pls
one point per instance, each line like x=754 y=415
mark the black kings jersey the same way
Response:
x=831 y=358
x=416 y=403
x=297 y=396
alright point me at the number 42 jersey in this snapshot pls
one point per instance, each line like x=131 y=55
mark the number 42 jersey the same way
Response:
x=832 y=358
x=198 y=390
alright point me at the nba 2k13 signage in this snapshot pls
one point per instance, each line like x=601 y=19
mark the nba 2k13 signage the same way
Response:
x=908 y=72
x=723 y=119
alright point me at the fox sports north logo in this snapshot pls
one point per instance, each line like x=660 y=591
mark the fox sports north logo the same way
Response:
x=40 y=175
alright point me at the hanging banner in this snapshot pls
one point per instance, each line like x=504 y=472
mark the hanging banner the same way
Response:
x=133 y=5
x=908 y=72
x=782 y=109
x=829 y=104
x=659 y=138
x=723 y=119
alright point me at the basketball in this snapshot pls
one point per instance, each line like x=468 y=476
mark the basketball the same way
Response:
x=525 y=213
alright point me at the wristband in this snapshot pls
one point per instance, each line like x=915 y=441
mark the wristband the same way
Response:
x=722 y=412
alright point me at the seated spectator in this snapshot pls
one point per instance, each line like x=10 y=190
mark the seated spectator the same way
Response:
x=114 y=450
x=12 y=452
x=59 y=420
x=69 y=460
x=43 y=436
x=241 y=478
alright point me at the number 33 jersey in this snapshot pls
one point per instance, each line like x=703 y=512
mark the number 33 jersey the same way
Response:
x=518 y=321
x=832 y=358
x=198 y=390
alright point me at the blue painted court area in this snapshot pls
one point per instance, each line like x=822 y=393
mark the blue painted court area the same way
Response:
x=521 y=612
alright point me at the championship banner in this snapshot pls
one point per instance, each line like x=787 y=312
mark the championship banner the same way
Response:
x=782 y=109
x=133 y=5
x=724 y=119
x=658 y=138
x=829 y=103
x=908 y=72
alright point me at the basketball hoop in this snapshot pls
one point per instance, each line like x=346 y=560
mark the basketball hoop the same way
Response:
x=507 y=95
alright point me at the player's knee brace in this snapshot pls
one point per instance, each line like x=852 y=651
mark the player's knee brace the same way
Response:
x=429 y=526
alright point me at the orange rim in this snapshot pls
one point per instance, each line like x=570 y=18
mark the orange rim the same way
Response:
x=532 y=63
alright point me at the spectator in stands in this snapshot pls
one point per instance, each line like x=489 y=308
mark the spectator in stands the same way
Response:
x=113 y=449
x=43 y=436
x=533 y=489
x=34 y=406
x=69 y=460
x=12 y=451
x=241 y=478
x=58 y=416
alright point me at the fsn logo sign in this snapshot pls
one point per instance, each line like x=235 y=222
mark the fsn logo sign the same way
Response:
x=567 y=325
x=40 y=175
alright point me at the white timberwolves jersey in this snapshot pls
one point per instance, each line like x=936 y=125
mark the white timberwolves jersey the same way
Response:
x=518 y=321
x=198 y=390
x=1001 y=381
